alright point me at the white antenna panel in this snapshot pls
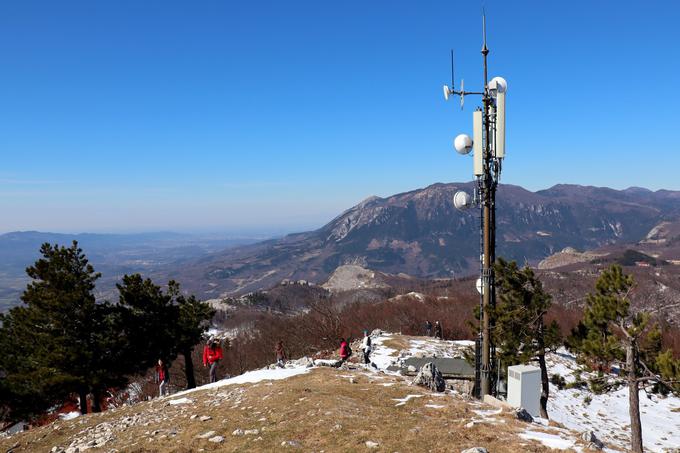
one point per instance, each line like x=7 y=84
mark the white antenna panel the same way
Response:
x=500 y=124
x=477 y=142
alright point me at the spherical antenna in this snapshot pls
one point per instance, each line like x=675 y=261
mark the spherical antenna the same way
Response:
x=463 y=144
x=498 y=85
x=462 y=200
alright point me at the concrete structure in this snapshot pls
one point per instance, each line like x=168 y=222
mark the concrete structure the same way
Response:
x=450 y=368
x=524 y=388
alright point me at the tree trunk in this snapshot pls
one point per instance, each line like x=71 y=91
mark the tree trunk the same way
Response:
x=545 y=386
x=189 y=369
x=82 y=394
x=633 y=398
x=96 y=395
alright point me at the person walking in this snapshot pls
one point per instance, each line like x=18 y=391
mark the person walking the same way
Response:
x=438 y=331
x=280 y=354
x=163 y=377
x=428 y=328
x=366 y=347
x=212 y=354
x=345 y=351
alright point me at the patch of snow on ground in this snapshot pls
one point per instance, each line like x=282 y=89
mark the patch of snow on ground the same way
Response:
x=382 y=355
x=607 y=414
x=438 y=348
x=69 y=415
x=549 y=440
x=180 y=401
x=403 y=401
x=250 y=377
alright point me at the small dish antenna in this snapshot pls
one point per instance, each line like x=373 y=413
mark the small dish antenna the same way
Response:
x=497 y=85
x=463 y=144
x=462 y=200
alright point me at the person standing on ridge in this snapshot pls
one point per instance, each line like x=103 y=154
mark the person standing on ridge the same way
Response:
x=212 y=354
x=280 y=354
x=163 y=377
x=366 y=347
x=438 y=331
x=428 y=328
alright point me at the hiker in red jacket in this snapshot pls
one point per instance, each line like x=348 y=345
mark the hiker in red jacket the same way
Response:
x=163 y=377
x=345 y=350
x=212 y=353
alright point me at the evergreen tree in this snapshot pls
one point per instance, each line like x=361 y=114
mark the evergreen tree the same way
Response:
x=57 y=340
x=194 y=319
x=519 y=329
x=149 y=323
x=158 y=324
x=610 y=331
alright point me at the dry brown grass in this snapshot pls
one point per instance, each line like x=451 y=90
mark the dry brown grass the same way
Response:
x=321 y=410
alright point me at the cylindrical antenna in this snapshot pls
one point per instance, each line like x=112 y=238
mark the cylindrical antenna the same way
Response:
x=484 y=48
x=452 y=73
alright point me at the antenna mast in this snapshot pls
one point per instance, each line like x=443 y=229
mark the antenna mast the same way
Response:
x=488 y=143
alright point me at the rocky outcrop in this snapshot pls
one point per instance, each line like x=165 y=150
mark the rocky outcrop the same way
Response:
x=429 y=376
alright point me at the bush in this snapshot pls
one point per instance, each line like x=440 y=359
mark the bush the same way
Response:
x=558 y=381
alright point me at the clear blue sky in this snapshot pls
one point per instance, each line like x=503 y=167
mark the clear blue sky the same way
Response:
x=215 y=115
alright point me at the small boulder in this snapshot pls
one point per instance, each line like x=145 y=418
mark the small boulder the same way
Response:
x=370 y=444
x=523 y=415
x=429 y=376
x=593 y=442
x=304 y=361
x=475 y=450
x=216 y=439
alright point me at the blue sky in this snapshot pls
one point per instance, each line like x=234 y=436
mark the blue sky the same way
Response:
x=276 y=116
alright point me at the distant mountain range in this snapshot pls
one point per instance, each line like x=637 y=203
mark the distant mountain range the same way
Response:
x=420 y=233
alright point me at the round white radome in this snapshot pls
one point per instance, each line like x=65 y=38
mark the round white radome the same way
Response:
x=462 y=200
x=463 y=144
x=498 y=84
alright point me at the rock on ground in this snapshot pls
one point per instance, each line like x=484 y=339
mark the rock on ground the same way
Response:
x=593 y=442
x=429 y=376
x=523 y=415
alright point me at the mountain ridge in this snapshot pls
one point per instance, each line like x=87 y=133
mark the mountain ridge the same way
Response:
x=420 y=233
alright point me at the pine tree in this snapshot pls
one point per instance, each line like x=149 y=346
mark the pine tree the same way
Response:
x=149 y=323
x=59 y=337
x=158 y=324
x=610 y=331
x=193 y=319
x=519 y=329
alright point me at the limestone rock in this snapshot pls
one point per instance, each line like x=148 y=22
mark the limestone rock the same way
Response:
x=304 y=361
x=523 y=415
x=475 y=450
x=593 y=442
x=429 y=376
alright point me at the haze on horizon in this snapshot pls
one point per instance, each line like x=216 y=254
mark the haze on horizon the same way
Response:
x=277 y=117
